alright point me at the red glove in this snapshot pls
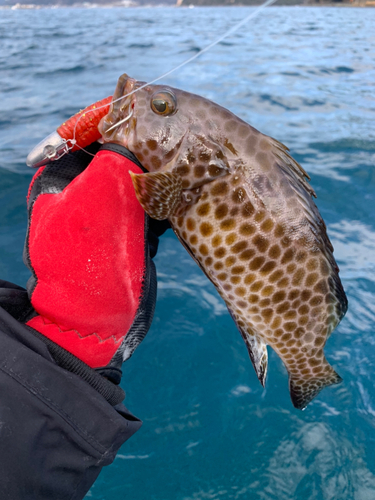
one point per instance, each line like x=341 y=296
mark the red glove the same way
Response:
x=88 y=246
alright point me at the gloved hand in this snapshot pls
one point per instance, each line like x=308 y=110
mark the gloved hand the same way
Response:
x=89 y=247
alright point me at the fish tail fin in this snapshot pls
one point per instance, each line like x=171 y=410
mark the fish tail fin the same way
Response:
x=304 y=389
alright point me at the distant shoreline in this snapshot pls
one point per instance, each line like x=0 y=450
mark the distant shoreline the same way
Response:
x=89 y=5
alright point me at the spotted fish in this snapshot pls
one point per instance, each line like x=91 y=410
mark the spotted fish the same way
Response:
x=243 y=209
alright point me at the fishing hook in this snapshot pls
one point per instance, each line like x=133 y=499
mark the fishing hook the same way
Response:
x=120 y=122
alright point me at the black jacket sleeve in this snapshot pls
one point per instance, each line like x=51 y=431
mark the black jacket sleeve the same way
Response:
x=57 y=430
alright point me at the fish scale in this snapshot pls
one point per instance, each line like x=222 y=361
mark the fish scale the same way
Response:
x=257 y=272
x=243 y=209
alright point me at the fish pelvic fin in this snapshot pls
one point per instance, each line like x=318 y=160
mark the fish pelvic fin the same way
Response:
x=304 y=390
x=159 y=193
x=258 y=354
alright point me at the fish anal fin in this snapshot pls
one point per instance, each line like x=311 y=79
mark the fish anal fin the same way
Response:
x=256 y=348
x=258 y=354
x=159 y=193
x=303 y=391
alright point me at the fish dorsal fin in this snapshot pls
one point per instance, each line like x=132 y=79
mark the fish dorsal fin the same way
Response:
x=159 y=193
x=312 y=228
x=297 y=180
x=299 y=173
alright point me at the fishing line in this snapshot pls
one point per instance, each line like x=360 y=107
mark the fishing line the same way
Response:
x=187 y=61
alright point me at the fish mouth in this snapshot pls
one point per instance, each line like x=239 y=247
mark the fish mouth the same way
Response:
x=120 y=120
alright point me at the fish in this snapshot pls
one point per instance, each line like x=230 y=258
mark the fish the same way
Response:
x=243 y=209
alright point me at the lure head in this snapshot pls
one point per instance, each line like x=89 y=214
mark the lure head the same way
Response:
x=49 y=149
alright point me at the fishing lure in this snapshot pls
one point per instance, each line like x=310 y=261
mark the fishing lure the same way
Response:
x=78 y=132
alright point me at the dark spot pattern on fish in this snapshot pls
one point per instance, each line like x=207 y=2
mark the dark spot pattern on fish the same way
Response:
x=252 y=226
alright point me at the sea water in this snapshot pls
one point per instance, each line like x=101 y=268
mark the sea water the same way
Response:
x=302 y=75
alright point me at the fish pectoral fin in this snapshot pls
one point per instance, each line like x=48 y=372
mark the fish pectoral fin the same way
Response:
x=258 y=354
x=304 y=390
x=159 y=193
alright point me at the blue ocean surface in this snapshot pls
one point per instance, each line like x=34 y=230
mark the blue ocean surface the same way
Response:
x=305 y=76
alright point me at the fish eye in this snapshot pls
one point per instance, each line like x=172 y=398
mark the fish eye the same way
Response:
x=163 y=103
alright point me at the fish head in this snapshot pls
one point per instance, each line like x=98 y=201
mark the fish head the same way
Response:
x=169 y=130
